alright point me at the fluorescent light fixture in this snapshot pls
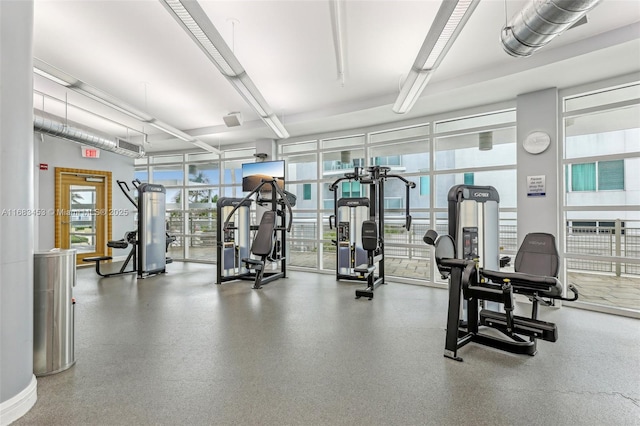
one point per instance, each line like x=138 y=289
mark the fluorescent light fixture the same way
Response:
x=193 y=19
x=48 y=71
x=277 y=127
x=103 y=98
x=410 y=92
x=172 y=131
x=448 y=23
x=338 y=39
x=206 y=147
x=250 y=93
x=51 y=77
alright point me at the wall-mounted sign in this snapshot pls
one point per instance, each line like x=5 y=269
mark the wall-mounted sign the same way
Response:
x=536 y=186
x=90 y=152
x=44 y=166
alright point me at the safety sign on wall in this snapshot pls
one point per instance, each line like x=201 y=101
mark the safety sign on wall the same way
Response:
x=536 y=186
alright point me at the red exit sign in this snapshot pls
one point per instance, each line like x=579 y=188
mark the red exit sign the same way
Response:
x=89 y=152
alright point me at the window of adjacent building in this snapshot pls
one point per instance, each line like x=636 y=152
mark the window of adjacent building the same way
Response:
x=597 y=176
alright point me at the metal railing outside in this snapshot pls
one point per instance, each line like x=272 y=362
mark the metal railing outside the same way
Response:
x=602 y=239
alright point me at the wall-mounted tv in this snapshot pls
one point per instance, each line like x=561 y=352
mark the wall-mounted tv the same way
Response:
x=254 y=173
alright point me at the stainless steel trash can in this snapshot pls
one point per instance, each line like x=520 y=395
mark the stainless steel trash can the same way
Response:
x=54 y=274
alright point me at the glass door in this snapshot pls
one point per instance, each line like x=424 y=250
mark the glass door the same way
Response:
x=81 y=218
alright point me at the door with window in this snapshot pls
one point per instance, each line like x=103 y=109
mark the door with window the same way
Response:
x=82 y=203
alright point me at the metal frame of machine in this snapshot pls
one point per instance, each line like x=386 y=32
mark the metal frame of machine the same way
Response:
x=363 y=242
x=234 y=235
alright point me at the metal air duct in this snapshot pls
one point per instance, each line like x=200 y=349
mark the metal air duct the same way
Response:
x=53 y=125
x=539 y=22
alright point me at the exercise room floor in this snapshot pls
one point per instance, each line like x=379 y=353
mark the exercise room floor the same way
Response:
x=180 y=350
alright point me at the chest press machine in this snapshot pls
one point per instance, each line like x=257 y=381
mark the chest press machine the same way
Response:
x=359 y=226
x=238 y=257
x=535 y=276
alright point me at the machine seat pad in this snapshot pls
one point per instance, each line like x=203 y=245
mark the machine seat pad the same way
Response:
x=119 y=244
x=526 y=283
x=97 y=258
x=250 y=261
x=364 y=269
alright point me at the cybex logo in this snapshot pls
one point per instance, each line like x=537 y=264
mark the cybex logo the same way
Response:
x=538 y=243
x=353 y=203
x=481 y=194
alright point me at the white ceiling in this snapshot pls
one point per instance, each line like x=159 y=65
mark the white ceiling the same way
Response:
x=135 y=51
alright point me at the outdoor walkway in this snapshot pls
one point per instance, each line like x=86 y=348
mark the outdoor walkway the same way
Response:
x=597 y=288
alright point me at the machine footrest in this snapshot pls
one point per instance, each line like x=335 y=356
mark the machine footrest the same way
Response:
x=364 y=293
x=168 y=260
x=97 y=258
x=525 y=326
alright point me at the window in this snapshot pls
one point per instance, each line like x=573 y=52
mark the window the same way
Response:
x=350 y=189
x=601 y=158
x=306 y=191
x=583 y=177
x=609 y=175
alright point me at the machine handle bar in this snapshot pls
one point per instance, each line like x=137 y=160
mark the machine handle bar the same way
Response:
x=122 y=184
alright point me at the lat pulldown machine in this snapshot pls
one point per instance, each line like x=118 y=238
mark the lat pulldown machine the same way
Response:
x=360 y=227
x=237 y=260
x=150 y=242
x=488 y=294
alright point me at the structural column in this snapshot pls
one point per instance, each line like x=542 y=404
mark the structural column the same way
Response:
x=17 y=382
x=538 y=207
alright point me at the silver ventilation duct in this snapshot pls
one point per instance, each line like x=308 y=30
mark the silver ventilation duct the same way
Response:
x=54 y=126
x=539 y=22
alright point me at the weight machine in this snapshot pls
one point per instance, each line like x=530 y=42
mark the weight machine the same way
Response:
x=150 y=242
x=359 y=224
x=486 y=294
x=238 y=259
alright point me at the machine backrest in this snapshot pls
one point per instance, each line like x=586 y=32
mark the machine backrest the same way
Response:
x=538 y=255
x=369 y=235
x=263 y=241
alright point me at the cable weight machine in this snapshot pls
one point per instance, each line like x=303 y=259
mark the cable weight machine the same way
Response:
x=359 y=224
x=238 y=259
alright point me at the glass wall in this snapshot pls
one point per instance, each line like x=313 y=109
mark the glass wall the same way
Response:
x=434 y=162
x=194 y=182
x=601 y=203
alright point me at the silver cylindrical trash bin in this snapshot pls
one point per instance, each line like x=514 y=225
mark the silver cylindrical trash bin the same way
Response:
x=54 y=274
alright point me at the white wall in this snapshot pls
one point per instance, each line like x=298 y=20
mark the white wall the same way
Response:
x=57 y=152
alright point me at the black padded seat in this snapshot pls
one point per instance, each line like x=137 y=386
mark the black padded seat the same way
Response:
x=527 y=283
x=536 y=267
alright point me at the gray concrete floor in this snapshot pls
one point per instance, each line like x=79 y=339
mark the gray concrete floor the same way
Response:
x=180 y=350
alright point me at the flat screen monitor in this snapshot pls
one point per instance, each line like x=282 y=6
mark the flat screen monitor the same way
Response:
x=254 y=173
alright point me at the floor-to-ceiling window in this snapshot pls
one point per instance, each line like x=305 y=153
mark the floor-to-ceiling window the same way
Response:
x=193 y=184
x=601 y=203
x=301 y=175
x=475 y=149
x=478 y=150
